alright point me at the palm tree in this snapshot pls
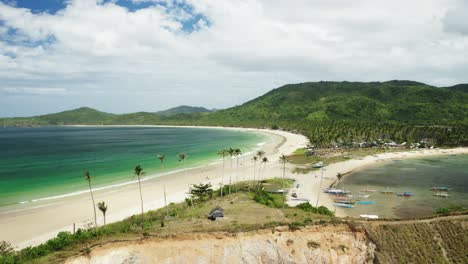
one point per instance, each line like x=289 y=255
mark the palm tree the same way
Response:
x=339 y=176
x=264 y=161
x=260 y=155
x=139 y=173
x=237 y=153
x=103 y=207
x=255 y=159
x=161 y=158
x=231 y=152
x=320 y=188
x=283 y=160
x=87 y=176
x=222 y=153
x=182 y=156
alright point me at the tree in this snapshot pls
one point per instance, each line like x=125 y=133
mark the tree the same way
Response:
x=87 y=176
x=237 y=153
x=161 y=158
x=264 y=161
x=260 y=154
x=255 y=159
x=223 y=154
x=283 y=160
x=339 y=176
x=202 y=191
x=182 y=156
x=139 y=173
x=103 y=207
x=231 y=152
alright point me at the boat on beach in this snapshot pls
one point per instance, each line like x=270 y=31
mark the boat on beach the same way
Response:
x=368 y=190
x=405 y=194
x=369 y=216
x=365 y=202
x=333 y=191
x=441 y=194
x=387 y=192
x=318 y=165
x=344 y=205
x=441 y=188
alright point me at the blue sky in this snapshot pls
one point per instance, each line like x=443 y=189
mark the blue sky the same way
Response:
x=147 y=55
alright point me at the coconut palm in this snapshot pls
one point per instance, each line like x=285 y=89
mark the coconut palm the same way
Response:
x=320 y=188
x=103 y=207
x=264 y=161
x=87 y=177
x=231 y=152
x=223 y=154
x=255 y=159
x=237 y=153
x=161 y=158
x=339 y=176
x=260 y=154
x=140 y=173
x=283 y=160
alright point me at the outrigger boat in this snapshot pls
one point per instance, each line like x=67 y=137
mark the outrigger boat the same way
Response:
x=318 y=165
x=405 y=194
x=335 y=191
x=344 y=205
x=387 y=192
x=441 y=194
x=367 y=190
x=344 y=201
x=441 y=188
x=365 y=202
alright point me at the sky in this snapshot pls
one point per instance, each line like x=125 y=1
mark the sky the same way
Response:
x=125 y=56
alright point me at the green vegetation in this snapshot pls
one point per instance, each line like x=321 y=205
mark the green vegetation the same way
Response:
x=243 y=214
x=420 y=242
x=183 y=109
x=316 y=210
x=328 y=113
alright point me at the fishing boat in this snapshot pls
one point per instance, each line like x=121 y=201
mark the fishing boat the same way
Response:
x=318 y=165
x=344 y=201
x=405 y=194
x=344 y=205
x=441 y=188
x=336 y=191
x=364 y=195
x=441 y=194
x=369 y=216
x=365 y=202
x=387 y=192
x=367 y=190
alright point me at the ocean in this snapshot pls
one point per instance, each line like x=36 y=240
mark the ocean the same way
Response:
x=46 y=162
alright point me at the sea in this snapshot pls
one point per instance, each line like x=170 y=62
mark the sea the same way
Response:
x=44 y=163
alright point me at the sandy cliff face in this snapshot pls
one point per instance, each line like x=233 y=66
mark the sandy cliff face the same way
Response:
x=333 y=244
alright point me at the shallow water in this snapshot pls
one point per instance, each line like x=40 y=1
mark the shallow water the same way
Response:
x=412 y=175
x=36 y=163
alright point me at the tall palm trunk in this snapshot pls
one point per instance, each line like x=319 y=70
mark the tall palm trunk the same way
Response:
x=320 y=189
x=141 y=200
x=94 y=205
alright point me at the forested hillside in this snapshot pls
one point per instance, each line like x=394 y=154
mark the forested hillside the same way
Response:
x=326 y=112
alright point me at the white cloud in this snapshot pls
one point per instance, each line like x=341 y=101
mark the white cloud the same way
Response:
x=35 y=90
x=244 y=49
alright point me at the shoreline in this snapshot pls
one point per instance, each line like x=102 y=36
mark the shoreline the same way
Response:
x=311 y=180
x=37 y=223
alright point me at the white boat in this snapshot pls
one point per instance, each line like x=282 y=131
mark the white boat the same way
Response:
x=344 y=205
x=442 y=194
x=369 y=216
x=318 y=165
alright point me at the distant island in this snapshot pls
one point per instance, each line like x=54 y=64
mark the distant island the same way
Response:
x=328 y=113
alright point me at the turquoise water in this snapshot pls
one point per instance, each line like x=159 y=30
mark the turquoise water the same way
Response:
x=36 y=163
x=413 y=175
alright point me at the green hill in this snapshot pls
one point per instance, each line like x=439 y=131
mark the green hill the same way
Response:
x=183 y=109
x=400 y=101
x=329 y=113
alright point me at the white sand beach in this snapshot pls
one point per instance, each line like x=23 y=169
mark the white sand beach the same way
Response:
x=37 y=222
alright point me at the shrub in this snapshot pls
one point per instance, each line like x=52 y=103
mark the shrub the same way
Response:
x=313 y=244
x=309 y=208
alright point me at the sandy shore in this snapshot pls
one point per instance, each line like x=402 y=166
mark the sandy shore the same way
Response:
x=37 y=222
x=310 y=184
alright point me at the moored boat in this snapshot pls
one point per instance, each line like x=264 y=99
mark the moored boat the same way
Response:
x=365 y=202
x=344 y=205
x=441 y=188
x=441 y=194
x=405 y=194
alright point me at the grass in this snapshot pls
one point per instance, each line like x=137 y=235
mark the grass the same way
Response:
x=242 y=213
